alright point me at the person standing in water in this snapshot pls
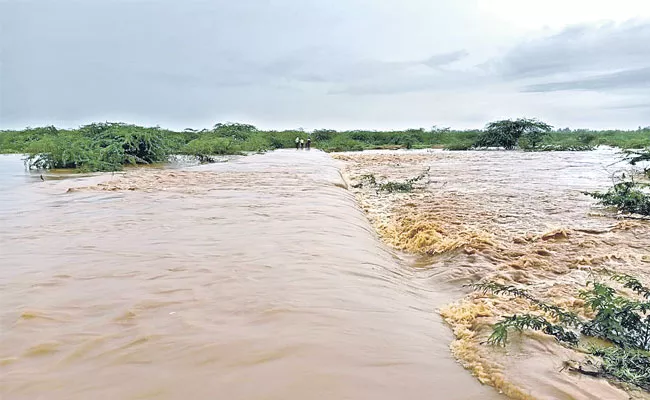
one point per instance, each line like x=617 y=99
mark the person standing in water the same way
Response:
x=297 y=142
x=302 y=144
x=308 y=143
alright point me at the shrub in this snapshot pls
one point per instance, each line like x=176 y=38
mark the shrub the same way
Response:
x=507 y=133
x=207 y=146
x=620 y=320
x=323 y=135
x=140 y=145
x=391 y=186
x=235 y=131
x=586 y=138
x=627 y=196
x=341 y=143
x=458 y=146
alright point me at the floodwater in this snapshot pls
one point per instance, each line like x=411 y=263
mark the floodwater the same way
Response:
x=260 y=278
x=516 y=218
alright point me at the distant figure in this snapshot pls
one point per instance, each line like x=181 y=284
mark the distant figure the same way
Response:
x=302 y=144
x=297 y=143
x=43 y=179
x=308 y=143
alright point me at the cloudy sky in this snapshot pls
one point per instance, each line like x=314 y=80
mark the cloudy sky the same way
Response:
x=377 y=64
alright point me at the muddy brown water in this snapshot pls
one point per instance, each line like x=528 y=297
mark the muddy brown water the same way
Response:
x=517 y=218
x=262 y=278
x=259 y=278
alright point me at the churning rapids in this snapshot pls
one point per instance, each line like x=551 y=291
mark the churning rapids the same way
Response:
x=259 y=278
x=271 y=276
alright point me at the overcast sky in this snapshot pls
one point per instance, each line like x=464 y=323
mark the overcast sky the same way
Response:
x=342 y=64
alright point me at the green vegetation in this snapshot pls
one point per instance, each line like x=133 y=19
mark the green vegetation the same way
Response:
x=628 y=194
x=525 y=133
x=95 y=147
x=391 y=186
x=109 y=146
x=621 y=321
x=632 y=366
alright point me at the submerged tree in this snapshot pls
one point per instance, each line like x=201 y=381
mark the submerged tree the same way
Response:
x=507 y=133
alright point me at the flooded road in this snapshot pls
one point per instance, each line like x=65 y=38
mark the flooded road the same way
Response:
x=259 y=278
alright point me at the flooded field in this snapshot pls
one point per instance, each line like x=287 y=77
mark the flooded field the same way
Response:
x=278 y=276
x=259 y=278
x=515 y=218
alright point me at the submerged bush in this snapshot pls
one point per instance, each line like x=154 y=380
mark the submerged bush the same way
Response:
x=391 y=186
x=369 y=179
x=64 y=152
x=98 y=147
x=622 y=321
x=406 y=186
x=562 y=147
x=628 y=196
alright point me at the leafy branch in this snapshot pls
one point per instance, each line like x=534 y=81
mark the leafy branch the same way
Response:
x=632 y=283
x=563 y=316
x=499 y=334
x=622 y=321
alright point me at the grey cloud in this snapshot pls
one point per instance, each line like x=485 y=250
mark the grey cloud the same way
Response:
x=631 y=106
x=348 y=74
x=630 y=79
x=412 y=81
x=445 y=59
x=193 y=62
x=579 y=49
x=335 y=67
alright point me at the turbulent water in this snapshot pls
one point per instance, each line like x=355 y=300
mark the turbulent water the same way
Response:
x=259 y=278
x=516 y=218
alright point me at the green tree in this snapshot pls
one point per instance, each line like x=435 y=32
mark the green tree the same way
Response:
x=507 y=133
x=235 y=131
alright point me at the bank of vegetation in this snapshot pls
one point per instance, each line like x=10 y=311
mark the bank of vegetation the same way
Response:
x=109 y=146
